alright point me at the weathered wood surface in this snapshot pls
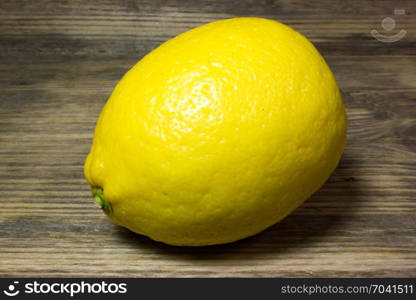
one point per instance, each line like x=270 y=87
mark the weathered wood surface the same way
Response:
x=59 y=61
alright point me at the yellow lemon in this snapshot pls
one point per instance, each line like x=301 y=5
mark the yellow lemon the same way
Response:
x=217 y=134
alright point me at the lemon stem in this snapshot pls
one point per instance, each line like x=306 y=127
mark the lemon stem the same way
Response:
x=98 y=196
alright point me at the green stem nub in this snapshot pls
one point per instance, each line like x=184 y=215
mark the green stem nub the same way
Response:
x=98 y=195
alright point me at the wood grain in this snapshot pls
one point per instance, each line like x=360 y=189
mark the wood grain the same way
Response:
x=59 y=61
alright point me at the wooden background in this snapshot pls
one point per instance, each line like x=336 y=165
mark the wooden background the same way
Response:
x=59 y=61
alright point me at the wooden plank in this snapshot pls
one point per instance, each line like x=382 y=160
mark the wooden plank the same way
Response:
x=59 y=61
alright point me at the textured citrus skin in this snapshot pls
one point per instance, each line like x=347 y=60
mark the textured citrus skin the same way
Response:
x=218 y=133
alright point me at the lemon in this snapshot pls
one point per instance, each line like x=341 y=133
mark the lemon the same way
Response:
x=217 y=134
